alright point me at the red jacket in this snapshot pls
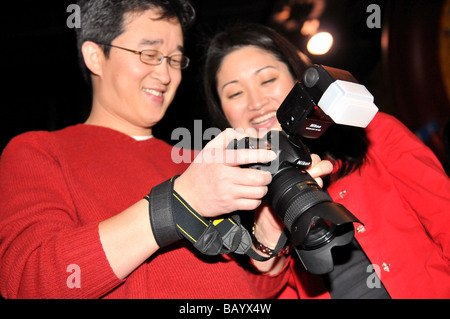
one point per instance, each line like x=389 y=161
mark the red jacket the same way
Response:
x=402 y=196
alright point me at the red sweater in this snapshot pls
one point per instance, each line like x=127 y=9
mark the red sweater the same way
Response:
x=56 y=187
x=402 y=195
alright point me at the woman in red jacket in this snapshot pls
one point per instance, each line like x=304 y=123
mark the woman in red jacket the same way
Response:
x=383 y=174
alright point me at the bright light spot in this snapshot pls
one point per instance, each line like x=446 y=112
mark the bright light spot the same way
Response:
x=320 y=43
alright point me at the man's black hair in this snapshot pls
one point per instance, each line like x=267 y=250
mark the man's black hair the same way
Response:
x=103 y=20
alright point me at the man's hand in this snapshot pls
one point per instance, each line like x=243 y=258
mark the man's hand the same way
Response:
x=215 y=184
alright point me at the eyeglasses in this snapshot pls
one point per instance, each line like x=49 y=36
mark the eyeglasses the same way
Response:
x=154 y=57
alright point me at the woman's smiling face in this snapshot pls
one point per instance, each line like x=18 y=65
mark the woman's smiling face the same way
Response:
x=251 y=84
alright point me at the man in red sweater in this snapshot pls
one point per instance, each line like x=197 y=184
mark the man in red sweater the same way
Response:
x=73 y=219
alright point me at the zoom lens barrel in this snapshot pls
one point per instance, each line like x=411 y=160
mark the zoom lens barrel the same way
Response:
x=316 y=224
x=293 y=192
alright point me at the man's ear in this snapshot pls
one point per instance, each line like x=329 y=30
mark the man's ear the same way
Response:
x=93 y=56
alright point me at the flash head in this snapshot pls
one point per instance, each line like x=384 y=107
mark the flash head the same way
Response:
x=326 y=95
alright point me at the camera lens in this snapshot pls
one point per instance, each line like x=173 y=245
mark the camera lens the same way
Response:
x=292 y=193
x=308 y=212
x=319 y=234
x=315 y=223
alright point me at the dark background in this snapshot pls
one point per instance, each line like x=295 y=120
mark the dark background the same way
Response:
x=403 y=63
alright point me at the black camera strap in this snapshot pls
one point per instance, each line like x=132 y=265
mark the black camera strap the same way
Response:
x=217 y=236
x=172 y=219
x=211 y=237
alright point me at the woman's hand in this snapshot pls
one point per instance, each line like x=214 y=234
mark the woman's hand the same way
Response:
x=319 y=168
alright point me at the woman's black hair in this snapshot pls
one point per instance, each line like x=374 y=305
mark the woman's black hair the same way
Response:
x=233 y=38
x=343 y=144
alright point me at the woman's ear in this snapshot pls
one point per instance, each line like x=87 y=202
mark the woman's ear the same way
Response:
x=93 y=56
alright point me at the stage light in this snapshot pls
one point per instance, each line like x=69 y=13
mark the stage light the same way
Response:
x=320 y=43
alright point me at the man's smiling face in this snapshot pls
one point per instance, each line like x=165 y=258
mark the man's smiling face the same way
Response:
x=129 y=95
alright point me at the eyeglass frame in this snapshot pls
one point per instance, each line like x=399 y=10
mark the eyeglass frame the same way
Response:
x=160 y=59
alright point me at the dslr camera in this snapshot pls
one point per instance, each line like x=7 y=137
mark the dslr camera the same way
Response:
x=315 y=223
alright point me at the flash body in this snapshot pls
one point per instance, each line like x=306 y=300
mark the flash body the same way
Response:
x=325 y=96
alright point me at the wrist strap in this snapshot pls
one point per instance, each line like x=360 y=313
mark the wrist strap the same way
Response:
x=211 y=237
x=172 y=219
x=161 y=216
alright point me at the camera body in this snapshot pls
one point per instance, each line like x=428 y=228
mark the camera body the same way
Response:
x=315 y=223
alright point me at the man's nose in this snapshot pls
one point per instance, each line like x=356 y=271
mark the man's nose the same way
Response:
x=162 y=72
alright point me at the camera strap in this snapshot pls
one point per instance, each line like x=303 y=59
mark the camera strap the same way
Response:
x=211 y=237
x=172 y=218
x=217 y=236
